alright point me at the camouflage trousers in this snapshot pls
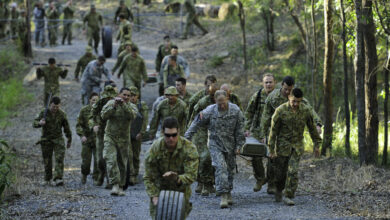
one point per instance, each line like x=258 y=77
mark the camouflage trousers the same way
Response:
x=46 y=95
x=223 y=163
x=88 y=151
x=205 y=170
x=258 y=169
x=93 y=37
x=190 y=20
x=52 y=29
x=67 y=32
x=286 y=173
x=134 y=157
x=101 y=163
x=56 y=146
x=116 y=154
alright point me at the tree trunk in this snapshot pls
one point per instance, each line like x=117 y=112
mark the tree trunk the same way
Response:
x=359 y=78
x=241 y=15
x=314 y=63
x=372 y=121
x=346 y=98
x=386 y=117
x=27 y=50
x=298 y=23
x=328 y=69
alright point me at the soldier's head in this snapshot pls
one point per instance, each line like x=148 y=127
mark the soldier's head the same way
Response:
x=269 y=82
x=171 y=131
x=212 y=89
x=101 y=60
x=122 y=17
x=287 y=85
x=134 y=94
x=125 y=94
x=52 y=61
x=167 y=39
x=171 y=94
x=174 y=50
x=13 y=6
x=52 y=5
x=93 y=8
x=210 y=79
x=225 y=87
x=172 y=61
x=93 y=98
x=122 y=3
x=295 y=98
x=221 y=99
x=88 y=50
x=134 y=50
x=55 y=104
x=181 y=84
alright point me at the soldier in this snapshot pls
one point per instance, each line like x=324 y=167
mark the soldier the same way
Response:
x=119 y=114
x=88 y=140
x=39 y=20
x=52 y=121
x=22 y=28
x=172 y=106
x=83 y=62
x=4 y=14
x=122 y=56
x=210 y=79
x=125 y=29
x=233 y=98
x=162 y=51
x=51 y=73
x=122 y=44
x=138 y=129
x=123 y=10
x=225 y=123
x=52 y=24
x=184 y=95
x=192 y=18
x=68 y=17
x=134 y=70
x=172 y=72
x=180 y=60
x=252 y=126
x=98 y=125
x=95 y=22
x=170 y=164
x=286 y=143
x=274 y=100
x=92 y=77
x=14 y=20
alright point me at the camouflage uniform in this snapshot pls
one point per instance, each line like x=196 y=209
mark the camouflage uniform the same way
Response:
x=180 y=61
x=286 y=141
x=53 y=141
x=161 y=53
x=192 y=18
x=194 y=100
x=83 y=62
x=4 y=14
x=233 y=98
x=122 y=44
x=67 y=32
x=164 y=109
x=95 y=22
x=226 y=135
x=52 y=25
x=134 y=71
x=22 y=30
x=171 y=74
x=120 y=59
x=186 y=98
x=125 y=29
x=117 y=139
x=92 y=78
x=183 y=161
x=52 y=85
x=14 y=22
x=39 y=16
x=96 y=120
x=88 y=149
x=125 y=11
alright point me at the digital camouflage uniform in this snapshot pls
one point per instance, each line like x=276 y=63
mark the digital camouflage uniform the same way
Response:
x=125 y=11
x=183 y=161
x=67 y=32
x=226 y=135
x=52 y=84
x=4 y=14
x=286 y=140
x=14 y=22
x=134 y=71
x=88 y=149
x=83 y=62
x=96 y=120
x=186 y=98
x=95 y=22
x=92 y=78
x=191 y=18
x=125 y=29
x=53 y=141
x=164 y=109
x=52 y=25
x=117 y=139
x=171 y=74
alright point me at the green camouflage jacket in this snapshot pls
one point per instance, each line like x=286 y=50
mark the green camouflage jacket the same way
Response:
x=194 y=100
x=133 y=68
x=200 y=106
x=54 y=125
x=82 y=63
x=51 y=75
x=52 y=16
x=95 y=20
x=125 y=29
x=161 y=53
x=255 y=110
x=68 y=12
x=119 y=60
x=235 y=100
x=186 y=98
x=82 y=126
x=144 y=110
x=171 y=74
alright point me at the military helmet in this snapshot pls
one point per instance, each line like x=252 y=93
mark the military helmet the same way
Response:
x=93 y=6
x=109 y=92
x=88 y=49
x=134 y=90
x=171 y=91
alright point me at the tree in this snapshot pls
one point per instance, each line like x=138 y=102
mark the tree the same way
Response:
x=268 y=15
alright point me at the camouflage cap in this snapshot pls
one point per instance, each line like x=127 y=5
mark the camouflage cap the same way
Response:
x=171 y=91
x=93 y=6
x=88 y=49
x=109 y=92
x=134 y=90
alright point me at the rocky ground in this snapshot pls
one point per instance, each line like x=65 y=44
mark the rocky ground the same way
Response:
x=326 y=189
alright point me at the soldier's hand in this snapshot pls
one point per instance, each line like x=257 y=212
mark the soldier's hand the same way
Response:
x=138 y=137
x=272 y=155
x=316 y=152
x=83 y=139
x=247 y=133
x=96 y=128
x=319 y=129
x=118 y=101
x=155 y=200
x=42 y=122
x=170 y=175
x=68 y=144
x=262 y=140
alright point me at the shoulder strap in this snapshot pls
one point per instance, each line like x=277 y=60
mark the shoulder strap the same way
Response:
x=258 y=99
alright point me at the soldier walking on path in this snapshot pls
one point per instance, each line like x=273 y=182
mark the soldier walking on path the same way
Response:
x=95 y=23
x=172 y=72
x=210 y=79
x=123 y=10
x=4 y=14
x=125 y=29
x=191 y=19
x=162 y=51
x=286 y=143
x=68 y=17
x=184 y=94
x=83 y=62
x=122 y=56
x=252 y=126
x=180 y=60
x=225 y=123
x=119 y=113
x=39 y=21
x=92 y=77
x=51 y=74
x=52 y=121
x=53 y=16
x=14 y=20
x=170 y=164
x=22 y=28
x=88 y=140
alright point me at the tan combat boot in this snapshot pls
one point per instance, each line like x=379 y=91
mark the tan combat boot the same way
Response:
x=205 y=190
x=199 y=188
x=121 y=192
x=258 y=186
x=115 y=190
x=224 y=202
x=229 y=199
x=288 y=201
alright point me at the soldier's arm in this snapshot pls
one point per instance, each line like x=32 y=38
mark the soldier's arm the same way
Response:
x=316 y=138
x=274 y=131
x=117 y=63
x=67 y=131
x=108 y=110
x=82 y=121
x=196 y=123
x=249 y=112
x=165 y=77
x=155 y=120
x=239 y=131
x=37 y=119
x=130 y=15
x=164 y=63
x=145 y=114
x=151 y=173
x=122 y=66
x=266 y=117
x=191 y=164
x=77 y=70
x=144 y=73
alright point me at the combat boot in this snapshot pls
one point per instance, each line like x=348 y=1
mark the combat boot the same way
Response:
x=278 y=196
x=224 y=202
x=271 y=190
x=288 y=201
x=133 y=180
x=108 y=186
x=59 y=182
x=258 y=186
x=121 y=192
x=205 y=190
x=199 y=188
x=100 y=180
x=229 y=199
x=83 y=179
x=115 y=190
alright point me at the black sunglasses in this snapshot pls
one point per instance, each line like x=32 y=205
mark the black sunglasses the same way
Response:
x=170 y=135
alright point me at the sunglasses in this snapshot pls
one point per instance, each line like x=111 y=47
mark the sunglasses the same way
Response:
x=170 y=135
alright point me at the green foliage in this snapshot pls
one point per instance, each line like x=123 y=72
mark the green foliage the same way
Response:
x=11 y=63
x=215 y=61
x=6 y=162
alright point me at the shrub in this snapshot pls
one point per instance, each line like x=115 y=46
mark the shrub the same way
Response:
x=6 y=160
